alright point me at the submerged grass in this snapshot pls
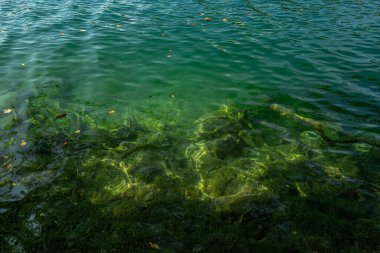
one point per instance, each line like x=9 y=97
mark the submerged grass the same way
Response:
x=233 y=181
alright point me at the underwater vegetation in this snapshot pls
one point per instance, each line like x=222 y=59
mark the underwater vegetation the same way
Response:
x=234 y=180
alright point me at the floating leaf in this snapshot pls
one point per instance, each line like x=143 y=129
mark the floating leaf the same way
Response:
x=111 y=112
x=225 y=20
x=118 y=25
x=77 y=131
x=65 y=143
x=9 y=110
x=207 y=19
x=82 y=30
x=8 y=166
x=154 y=245
x=23 y=143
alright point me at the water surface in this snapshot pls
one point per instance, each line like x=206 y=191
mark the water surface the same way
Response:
x=189 y=126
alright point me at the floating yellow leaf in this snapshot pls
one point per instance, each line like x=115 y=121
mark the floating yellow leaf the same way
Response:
x=111 y=112
x=8 y=166
x=154 y=245
x=23 y=143
x=225 y=20
x=9 y=110
x=207 y=19
x=77 y=131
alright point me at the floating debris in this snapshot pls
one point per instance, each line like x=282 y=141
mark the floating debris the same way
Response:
x=111 y=112
x=77 y=131
x=225 y=20
x=207 y=19
x=119 y=25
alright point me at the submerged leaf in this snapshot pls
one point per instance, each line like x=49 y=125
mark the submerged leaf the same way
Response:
x=9 y=110
x=60 y=116
x=154 y=245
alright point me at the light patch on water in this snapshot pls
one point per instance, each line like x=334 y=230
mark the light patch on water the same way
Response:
x=33 y=225
x=15 y=244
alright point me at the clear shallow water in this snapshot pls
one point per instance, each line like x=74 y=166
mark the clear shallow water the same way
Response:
x=243 y=113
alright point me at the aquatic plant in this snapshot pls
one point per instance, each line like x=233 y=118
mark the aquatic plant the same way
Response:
x=228 y=183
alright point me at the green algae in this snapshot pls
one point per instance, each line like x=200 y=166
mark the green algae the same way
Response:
x=228 y=183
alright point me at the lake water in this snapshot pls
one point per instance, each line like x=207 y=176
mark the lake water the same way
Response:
x=189 y=126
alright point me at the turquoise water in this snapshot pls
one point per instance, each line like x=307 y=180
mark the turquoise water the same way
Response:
x=189 y=126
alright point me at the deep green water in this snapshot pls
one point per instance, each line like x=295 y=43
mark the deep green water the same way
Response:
x=144 y=126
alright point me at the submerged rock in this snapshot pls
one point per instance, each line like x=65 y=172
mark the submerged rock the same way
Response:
x=226 y=146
